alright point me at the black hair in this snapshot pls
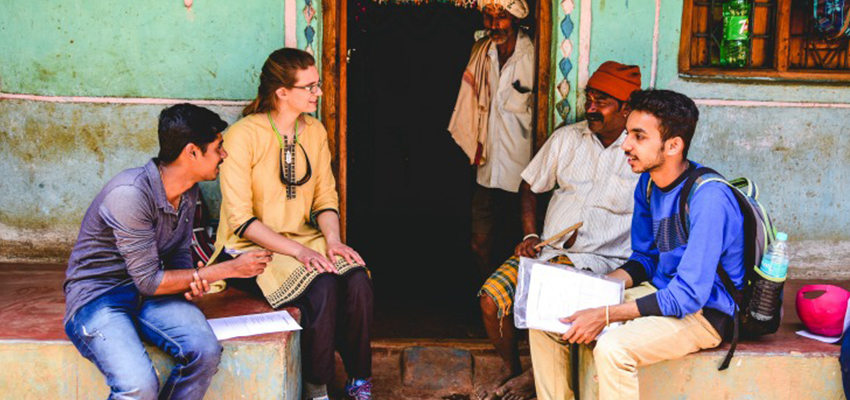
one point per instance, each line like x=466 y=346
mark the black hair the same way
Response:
x=677 y=114
x=185 y=123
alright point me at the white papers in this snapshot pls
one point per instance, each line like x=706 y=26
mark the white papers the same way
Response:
x=829 y=339
x=556 y=293
x=253 y=324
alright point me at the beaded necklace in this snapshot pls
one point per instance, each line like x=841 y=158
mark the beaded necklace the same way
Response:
x=287 y=165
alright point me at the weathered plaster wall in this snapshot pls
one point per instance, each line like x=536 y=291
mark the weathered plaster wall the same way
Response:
x=55 y=156
x=212 y=50
x=57 y=152
x=795 y=146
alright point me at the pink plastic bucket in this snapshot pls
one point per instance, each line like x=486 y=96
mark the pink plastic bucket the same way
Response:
x=822 y=314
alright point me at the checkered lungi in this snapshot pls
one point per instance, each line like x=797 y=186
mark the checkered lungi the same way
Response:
x=501 y=286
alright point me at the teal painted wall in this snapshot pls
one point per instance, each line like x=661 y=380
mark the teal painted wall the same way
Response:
x=137 y=49
x=797 y=155
x=54 y=157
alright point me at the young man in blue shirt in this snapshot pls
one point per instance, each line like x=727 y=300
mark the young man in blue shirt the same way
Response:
x=675 y=302
x=131 y=267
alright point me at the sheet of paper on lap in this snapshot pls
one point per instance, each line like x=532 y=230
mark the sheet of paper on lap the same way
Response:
x=557 y=292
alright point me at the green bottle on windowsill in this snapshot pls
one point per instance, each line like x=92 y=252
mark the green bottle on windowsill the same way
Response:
x=734 y=46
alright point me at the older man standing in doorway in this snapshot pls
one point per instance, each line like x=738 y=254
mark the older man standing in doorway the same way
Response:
x=492 y=124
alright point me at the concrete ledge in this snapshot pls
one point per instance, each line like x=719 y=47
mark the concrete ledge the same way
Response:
x=820 y=259
x=752 y=375
x=773 y=367
x=37 y=361
x=38 y=370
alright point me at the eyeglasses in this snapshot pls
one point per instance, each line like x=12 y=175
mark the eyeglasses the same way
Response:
x=314 y=88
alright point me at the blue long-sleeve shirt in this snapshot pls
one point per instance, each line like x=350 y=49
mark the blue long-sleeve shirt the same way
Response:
x=684 y=270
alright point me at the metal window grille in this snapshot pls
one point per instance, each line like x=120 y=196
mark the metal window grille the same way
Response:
x=810 y=51
x=707 y=33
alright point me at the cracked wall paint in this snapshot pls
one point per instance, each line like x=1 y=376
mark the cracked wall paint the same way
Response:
x=796 y=154
x=54 y=157
x=208 y=50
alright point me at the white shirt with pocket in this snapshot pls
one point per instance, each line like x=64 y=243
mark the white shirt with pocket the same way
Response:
x=596 y=186
x=509 y=137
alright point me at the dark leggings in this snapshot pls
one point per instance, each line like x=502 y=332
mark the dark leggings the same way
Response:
x=336 y=314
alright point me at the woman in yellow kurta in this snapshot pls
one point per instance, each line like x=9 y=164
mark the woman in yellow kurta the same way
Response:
x=279 y=193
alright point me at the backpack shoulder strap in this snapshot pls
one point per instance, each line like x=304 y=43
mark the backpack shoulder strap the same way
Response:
x=697 y=178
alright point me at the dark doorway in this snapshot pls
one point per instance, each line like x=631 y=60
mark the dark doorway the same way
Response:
x=409 y=184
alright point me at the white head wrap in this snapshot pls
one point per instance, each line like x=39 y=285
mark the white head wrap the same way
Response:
x=517 y=8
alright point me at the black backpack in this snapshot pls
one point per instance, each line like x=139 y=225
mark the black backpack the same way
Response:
x=759 y=304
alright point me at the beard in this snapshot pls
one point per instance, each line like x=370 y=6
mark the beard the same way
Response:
x=654 y=164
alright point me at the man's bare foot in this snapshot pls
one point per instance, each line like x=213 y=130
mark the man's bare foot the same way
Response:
x=487 y=390
x=519 y=388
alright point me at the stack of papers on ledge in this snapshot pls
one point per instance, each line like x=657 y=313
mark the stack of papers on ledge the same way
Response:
x=253 y=324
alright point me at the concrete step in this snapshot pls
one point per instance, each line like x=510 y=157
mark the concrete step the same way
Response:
x=48 y=370
x=431 y=369
x=784 y=373
x=38 y=362
x=779 y=366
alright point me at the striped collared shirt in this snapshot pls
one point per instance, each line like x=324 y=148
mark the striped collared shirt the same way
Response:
x=595 y=186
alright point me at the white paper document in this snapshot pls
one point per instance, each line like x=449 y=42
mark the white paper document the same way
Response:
x=253 y=324
x=555 y=293
x=829 y=339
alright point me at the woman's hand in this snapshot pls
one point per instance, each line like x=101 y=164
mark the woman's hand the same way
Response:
x=340 y=249
x=314 y=260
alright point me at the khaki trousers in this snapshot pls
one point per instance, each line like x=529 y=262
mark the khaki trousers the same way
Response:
x=619 y=353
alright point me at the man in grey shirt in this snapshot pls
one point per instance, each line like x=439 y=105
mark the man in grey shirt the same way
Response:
x=131 y=263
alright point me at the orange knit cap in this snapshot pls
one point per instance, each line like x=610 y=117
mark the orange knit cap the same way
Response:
x=615 y=79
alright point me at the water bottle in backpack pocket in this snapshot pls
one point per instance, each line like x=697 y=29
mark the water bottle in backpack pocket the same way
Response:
x=767 y=289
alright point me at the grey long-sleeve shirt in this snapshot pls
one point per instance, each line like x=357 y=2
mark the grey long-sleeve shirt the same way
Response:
x=130 y=233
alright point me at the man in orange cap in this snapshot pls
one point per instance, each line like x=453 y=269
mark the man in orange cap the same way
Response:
x=595 y=187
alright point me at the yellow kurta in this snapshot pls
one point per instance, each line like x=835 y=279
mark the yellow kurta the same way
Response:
x=251 y=188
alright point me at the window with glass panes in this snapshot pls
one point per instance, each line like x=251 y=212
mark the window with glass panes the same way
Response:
x=783 y=43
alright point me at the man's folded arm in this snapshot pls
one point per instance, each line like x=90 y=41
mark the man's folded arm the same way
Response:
x=128 y=211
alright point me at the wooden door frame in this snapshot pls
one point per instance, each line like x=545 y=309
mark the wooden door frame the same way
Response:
x=334 y=110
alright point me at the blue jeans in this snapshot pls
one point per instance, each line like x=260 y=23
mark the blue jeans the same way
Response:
x=844 y=360
x=109 y=332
